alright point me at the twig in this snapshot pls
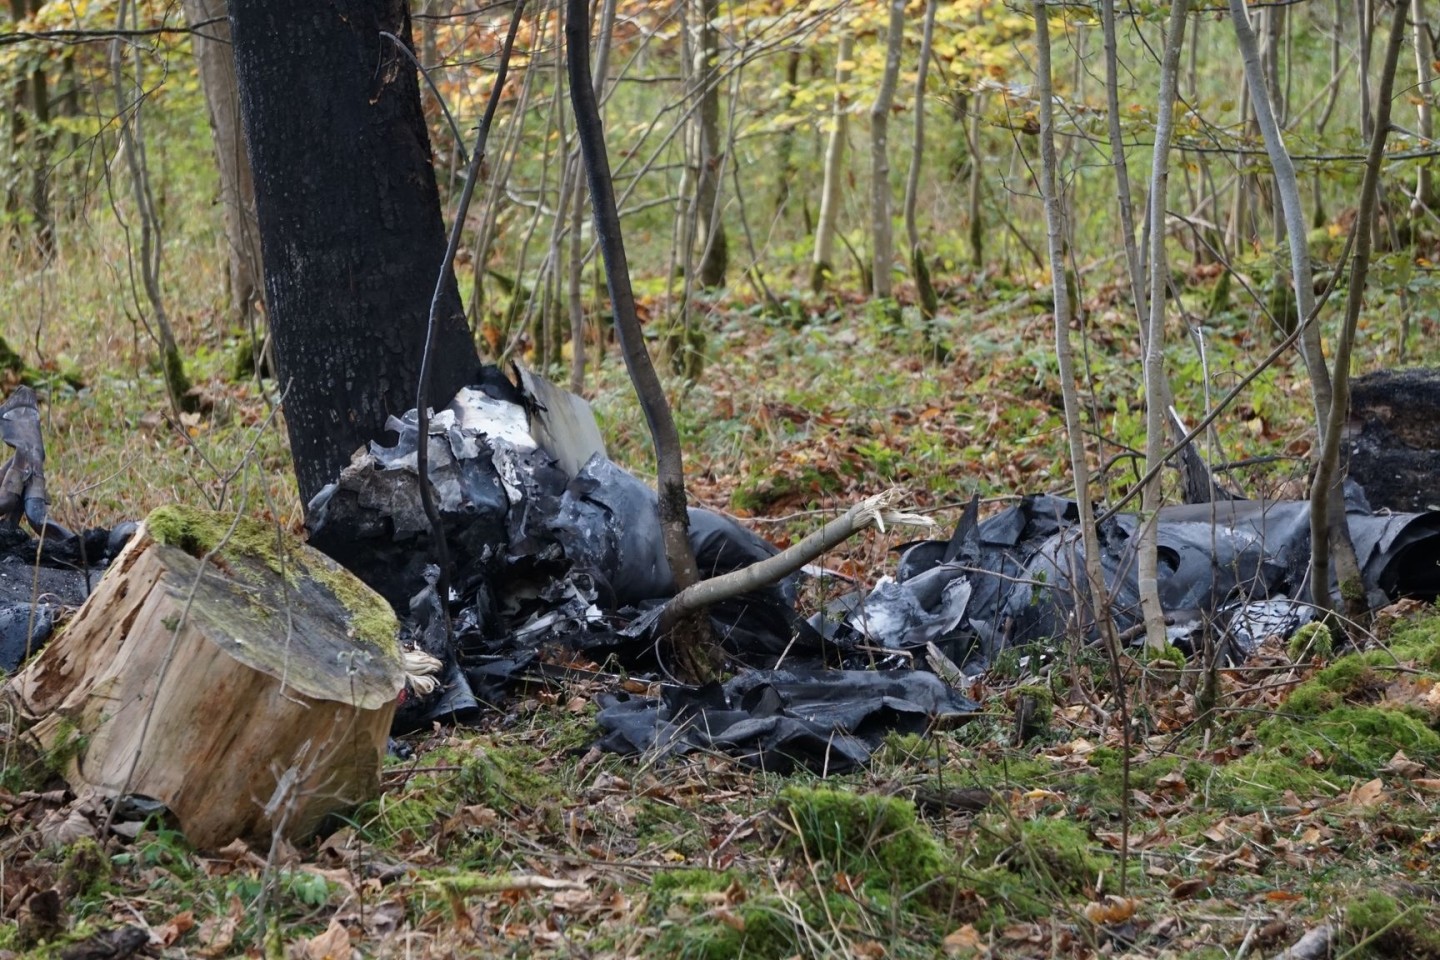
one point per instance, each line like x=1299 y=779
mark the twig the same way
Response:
x=872 y=511
x=447 y=268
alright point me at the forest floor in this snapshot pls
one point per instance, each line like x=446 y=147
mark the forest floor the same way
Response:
x=1237 y=812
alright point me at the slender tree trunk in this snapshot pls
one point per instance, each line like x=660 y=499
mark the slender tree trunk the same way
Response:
x=785 y=150
x=919 y=269
x=823 y=265
x=1156 y=392
x=132 y=145
x=576 y=264
x=40 y=158
x=1289 y=189
x=1199 y=485
x=1055 y=246
x=31 y=141
x=216 y=61
x=714 y=248
x=1425 y=95
x=977 y=223
x=881 y=230
x=1329 y=533
x=1134 y=268
x=697 y=655
x=1365 y=18
x=350 y=255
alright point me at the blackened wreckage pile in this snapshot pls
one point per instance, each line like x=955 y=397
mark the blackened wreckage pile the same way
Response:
x=553 y=545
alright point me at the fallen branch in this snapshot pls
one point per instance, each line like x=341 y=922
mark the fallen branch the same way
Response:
x=872 y=511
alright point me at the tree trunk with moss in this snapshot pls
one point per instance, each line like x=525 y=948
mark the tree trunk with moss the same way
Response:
x=241 y=678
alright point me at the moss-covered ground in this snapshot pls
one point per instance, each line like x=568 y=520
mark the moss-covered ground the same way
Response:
x=1309 y=795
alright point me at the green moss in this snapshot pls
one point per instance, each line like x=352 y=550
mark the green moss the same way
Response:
x=1262 y=778
x=371 y=618
x=683 y=883
x=1044 y=702
x=902 y=748
x=872 y=836
x=1048 y=853
x=1168 y=654
x=202 y=532
x=1311 y=642
x=1350 y=679
x=232 y=540
x=85 y=871
x=1418 y=642
x=1392 y=929
x=1355 y=741
x=763 y=927
x=69 y=742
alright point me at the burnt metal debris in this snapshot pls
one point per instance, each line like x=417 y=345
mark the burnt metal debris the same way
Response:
x=38 y=581
x=554 y=545
x=556 y=551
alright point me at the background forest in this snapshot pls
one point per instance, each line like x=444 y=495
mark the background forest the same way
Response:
x=837 y=223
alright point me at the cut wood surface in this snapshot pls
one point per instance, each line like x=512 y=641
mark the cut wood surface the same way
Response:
x=239 y=677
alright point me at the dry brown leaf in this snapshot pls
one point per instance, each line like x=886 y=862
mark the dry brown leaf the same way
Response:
x=1367 y=794
x=61 y=828
x=1428 y=784
x=1403 y=766
x=175 y=928
x=962 y=942
x=217 y=933
x=1189 y=888
x=1173 y=783
x=1111 y=910
x=333 y=944
x=730 y=918
x=1283 y=896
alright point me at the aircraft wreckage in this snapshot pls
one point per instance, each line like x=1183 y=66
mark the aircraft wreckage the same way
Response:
x=552 y=545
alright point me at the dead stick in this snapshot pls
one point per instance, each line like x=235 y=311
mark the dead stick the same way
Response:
x=872 y=511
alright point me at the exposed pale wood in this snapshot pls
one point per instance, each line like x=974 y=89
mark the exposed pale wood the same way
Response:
x=241 y=698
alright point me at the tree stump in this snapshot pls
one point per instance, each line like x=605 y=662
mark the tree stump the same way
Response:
x=236 y=675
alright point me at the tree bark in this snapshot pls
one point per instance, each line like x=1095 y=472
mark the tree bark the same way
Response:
x=1156 y=392
x=351 y=255
x=696 y=651
x=213 y=56
x=1055 y=233
x=1329 y=533
x=881 y=230
x=714 y=248
x=1288 y=186
x=823 y=264
x=919 y=269
x=1424 y=93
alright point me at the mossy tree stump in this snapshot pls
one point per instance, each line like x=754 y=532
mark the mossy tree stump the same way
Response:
x=234 y=674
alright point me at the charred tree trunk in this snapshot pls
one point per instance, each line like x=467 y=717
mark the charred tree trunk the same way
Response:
x=349 y=215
